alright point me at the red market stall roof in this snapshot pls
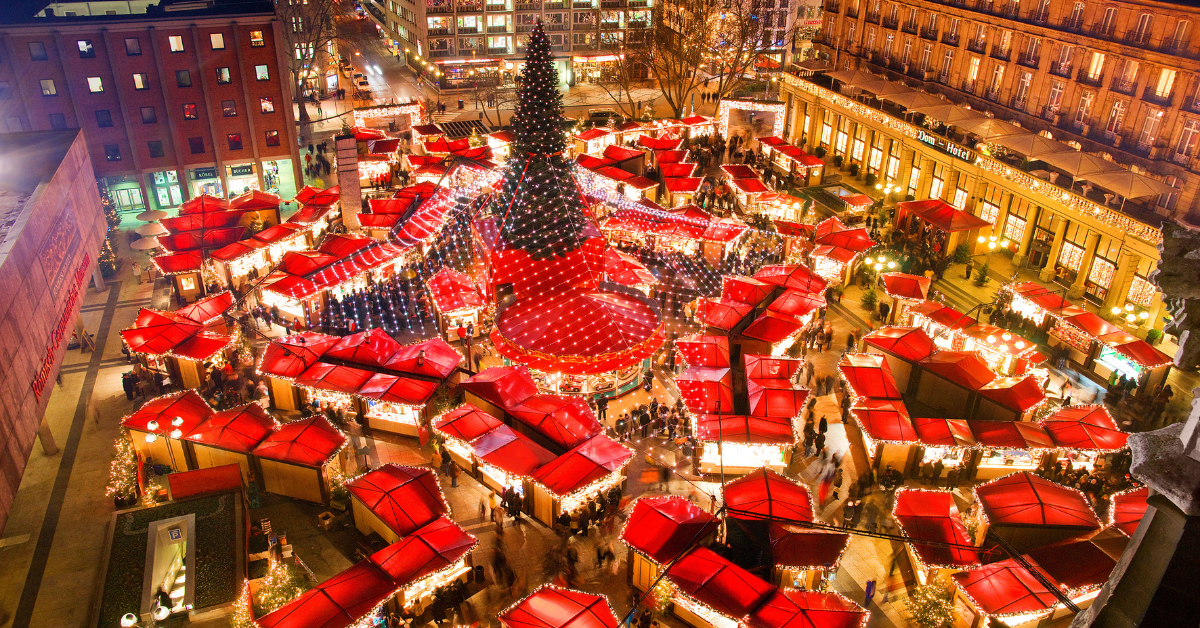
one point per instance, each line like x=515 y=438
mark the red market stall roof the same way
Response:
x=453 y=291
x=1051 y=301
x=682 y=185
x=371 y=348
x=311 y=195
x=263 y=239
x=238 y=429
x=511 y=452
x=202 y=204
x=722 y=314
x=799 y=548
x=566 y=420
x=828 y=226
x=678 y=170
x=706 y=389
x=700 y=350
x=310 y=442
x=426 y=221
x=1010 y=435
x=765 y=494
x=1005 y=588
x=620 y=153
x=309 y=214
x=591 y=460
x=404 y=498
x=869 y=375
x=736 y=428
x=552 y=607
x=186 y=405
x=775 y=398
x=964 y=368
x=182 y=333
x=664 y=526
x=723 y=230
x=465 y=423
x=944 y=432
x=1015 y=393
x=503 y=386
x=746 y=290
x=718 y=583
x=290 y=356
x=1025 y=499
x=932 y=516
x=903 y=286
x=1127 y=509
x=771 y=367
x=1000 y=340
x=336 y=603
x=427 y=130
x=885 y=420
x=795 y=277
x=773 y=327
x=750 y=186
x=1085 y=428
x=796 y=303
x=178 y=263
x=670 y=156
x=857 y=200
x=1092 y=325
x=340 y=257
x=942 y=215
x=835 y=253
x=1143 y=353
x=911 y=344
x=660 y=143
x=625 y=269
x=1074 y=565
x=945 y=316
x=428 y=550
x=255 y=200
x=363 y=134
x=334 y=377
x=442 y=146
x=796 y=608
x=592 y=134
x=772 y=141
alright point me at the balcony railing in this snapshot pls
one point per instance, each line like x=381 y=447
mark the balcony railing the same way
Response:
x=503 y=28
x=943 y=78
x=585 y=4
x=440 y=54
x=872 y=18
x=950 y=39
x=1061 y=69
x=1073 y=25
x=1019 y=102
x=1010 y=10
x=1182 y=159
x=440 y=8
x=440 y=31
x=612 y=4
x=610 y=25
x=555 y=27
x=468 y=30
x=529 y=6
x=524 y=28
x=1040 y=17
x=1028 y=60
x=554 y=5
x=910 y=28
x=1134 y=38
x=1124 y=86
x=969 y=86
x=1104 y=31
x=1174 y=47
x=977 y=46
x=832 y=7
x=1003 y=54
x=499 y=50
x=1093 y=80
x=638 y=24
x=583 y=26
x=929 y=33
x=1192 y=105
x=852 y=13
x=992 y=94
x=1151 y=96
x=638 y=3
x=890 y=22
x=591 y=46
x=497 y=7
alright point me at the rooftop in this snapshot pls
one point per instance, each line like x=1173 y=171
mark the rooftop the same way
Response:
x=27 y=160
x=74 y=11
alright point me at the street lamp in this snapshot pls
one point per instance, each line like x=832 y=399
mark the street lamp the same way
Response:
x=176 y=433
x=992 y=242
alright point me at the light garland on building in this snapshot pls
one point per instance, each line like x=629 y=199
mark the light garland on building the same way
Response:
x=727 y=105
x=415 y=110
x=921 y=560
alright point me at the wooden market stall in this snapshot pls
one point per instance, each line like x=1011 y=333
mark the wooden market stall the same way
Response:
x=1028 y=511
x=395 y=501
x=933 y=516
x=296 y=459
x=903 y=348
x=181 y=342
x=660 y=529
x=158 y=428
x=230 y=436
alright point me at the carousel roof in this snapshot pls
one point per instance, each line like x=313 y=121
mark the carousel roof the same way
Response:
x=588 y=462
x=911 y=344
x=308 y=442
x=164 y=410
x=566 y=420
x=511 y=452
x=765 y=494
x=706 y=389
x=1015 y=393
x=795 y=608
x=238 y=429
x=1005 y=588
x=698 y=350
x=796 y=547
x=503 y=386
x=795 y=277
x=435 y=546
x=904 y=286
x=465 y=423
x=453 y=291
x=404 y=498
x=1024 y=499
x=932 y=516
x=1085 y=428
x=665 y=526
x=734 y=428
x=869 y=375
x=964 y=368
x=718 y=583
x=943 y=215
x=885 y=420
x=552 y=607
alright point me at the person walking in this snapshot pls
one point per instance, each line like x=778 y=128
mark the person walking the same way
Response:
x=445 y=456
x=454 y=472
x=602 y=408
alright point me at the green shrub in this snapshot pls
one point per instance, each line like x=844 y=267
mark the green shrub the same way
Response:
x=981 y=276
x=1153 y=335
x=870 y=299
x=962 y=254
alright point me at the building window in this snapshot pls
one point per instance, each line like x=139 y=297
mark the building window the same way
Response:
x=48 y=87
x=229 y=108
x=112 y=152
x=1109 y=22
x=217 y=40
x=183 y=78
x=1116 y=116
x=189 y=111
x=1187 y=140
x=235 y=141
x=58 y=121
x=1145 y=23
x=1165 y=83
x=37 y=51
x=223 y=76
x=95 y=85
x=272 y=138
x=133 y=47
x=1095 y=66
x=1151 y=124
x=103 y=118
x=1168 y=200
x=86 y=50
x=149 y=116
x=196 y=144
x=176 y=43
x=256 y=39
x=267 y=104
x=1054 y=101
x=1085 y=108
x=141 y=81
x=261 y=73
x=156 y=148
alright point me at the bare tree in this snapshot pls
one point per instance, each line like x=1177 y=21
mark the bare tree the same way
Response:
x=744 y=37
x=631 y=70
x=309 y=28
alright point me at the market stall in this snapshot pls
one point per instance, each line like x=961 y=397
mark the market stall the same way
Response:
x=764 y=495
x=949 y=381
x=798 y=608
x=1127 y=508
x=837 y=249
x=902 y=348
x=626 y=270
x=459 y=428
x=1083 y=434
x=295 y=460
x=1028 y=511
x=888 y=433
x=868 y=375
x=1005 y=447
x=660 y=529
x=949 y=441
x=425 y=562
x=713 y=592
x=709 y=351
x=593 y=141
x=557 y=422
x=338 y=602
x=706 y=389
x=733 y=444
x=1009 y=399
x=158 y=428
x=552 y=607
x=570 y=481
x=496 y=389
x=458 y=301
x=508 y=458
x=954 y=225
x=932 y=516
x=793 y=277
x=772 y=333
x=179 y=343
x=804 y=558
x=394 y=501
x=244 y=261
x=230 y=436
x=904 y=291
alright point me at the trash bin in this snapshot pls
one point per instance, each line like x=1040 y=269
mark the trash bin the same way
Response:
x=477 y=573
x=460 y=103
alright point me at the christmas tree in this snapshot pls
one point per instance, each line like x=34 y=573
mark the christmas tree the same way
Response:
x=108 y=255
x=122 y=472
x=931 y=605
x=540 y=205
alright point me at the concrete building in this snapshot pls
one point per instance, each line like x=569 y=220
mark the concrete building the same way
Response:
x=174 y=99
x=50 y=239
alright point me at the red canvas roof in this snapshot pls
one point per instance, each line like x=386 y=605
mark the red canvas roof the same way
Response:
x=336 y=378
x=336 y=603
x=736 y=428
x=567 y=421
x=722 y=314
x=795 y=608
x=620 y=153
x=836 y=253
x=292 y=355
x=912 y=287
x=1024 y=498
x=700 y=350
x=404 y=498
x=465 y=423
x=908 y=343
x=309 y=214
x=1143 y=353
x=340 y=257
x=181 y=333
x=718 y=583
x=706 y=389
x=1085 y=428
x=552 y=607
x=678 y=170
x=1075 y=565
x=433 y=358
x=773 y=327
x=308 y=442
x=164 y=410
x=625 y=269
x=856 y=240
x=394 y=389
x=796 y=303
x=1005 y=588
x=796 y=277
x=367 y=348
x=255 y=200
x=511 y=452
x=964 y=368
x=869 y=375
x=659 y=143
x=1010 y=434
x=682 y=185
x=828 y=226
x=238 y=429
x=196 y=222
x=592 y=460
x=944 y=432
x=504 y=386
x=592 y=134
x=950 y=317
x=453 y=291
x=775 y=398
x=771 y=367
x=943 y=215
x=664 y=526
x=884 y=420
x=176 y=263
x=763 y=493
x=794 y=547
x=1092 y=325
x=670 y=156
x=723 y=230
x=750 y=186
x=746 y=290
x=1015 y=393
x=433 y=547
x=203 y=203
x=739 y=171
x=932 y=516
x=1127 y=509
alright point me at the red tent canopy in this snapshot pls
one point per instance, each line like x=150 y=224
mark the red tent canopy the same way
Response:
x=310 y=214
x=746 y=290
x=735 y=428
x=435 y=546
x=856 y=240
x=1010 y=435
x=678 y=170
x=395 y=389
x=828 y=226
x=431 y=358
x=964 y=368
x=588 y=462
x=1015 y=393
x=503 y=386
x=1005 y=588
x=336 y=603
x=345 y=380
x=184 y=332
x=1074 y=565
x=1092 y=325
x=567 y=421
x=771 y=367
x=884 y=420
x=773 y=327
x=372 y=348
x=551 y=607
x=203 y=204
x=453 y=291
x=795 y=277
x=944 y=432
x=511 y=452
x=718 y=583
x=775 y=398
x=465 y=423
x=291 y=355
x=626 y=270
x=942 y=215
x=796 y=303
x=932 y=516
x=722 y=314
x=739 y=171
x=1127 y=510
x=1143 y=353
x=902 y=286
x=238 y=429
x=404 y=498
x=796 y=608
x=911 y=344
x=763 y=493
x=1024 y=498
x=793 y=547
x=662 y=527
x=836 y=253
x=706 y=389
x=165 y=410
x=700 y=350
x=947 y=316
x=176 y=263
x=208 y=309
x=255 y=200
x=868 y=375
x=1085 y=427
x=308 y=442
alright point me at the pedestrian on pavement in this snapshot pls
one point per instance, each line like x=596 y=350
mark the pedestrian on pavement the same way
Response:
x=952 y=478
x=823 y=426
x=445 y=455
x=602 y=408
x=454 y=471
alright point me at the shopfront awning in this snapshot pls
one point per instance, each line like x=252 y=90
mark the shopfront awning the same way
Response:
x=1144 y=354
x=932 y=516
x=1025 y=499
x=663 y=527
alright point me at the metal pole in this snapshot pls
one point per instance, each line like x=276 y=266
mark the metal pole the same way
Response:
x=720 y=445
